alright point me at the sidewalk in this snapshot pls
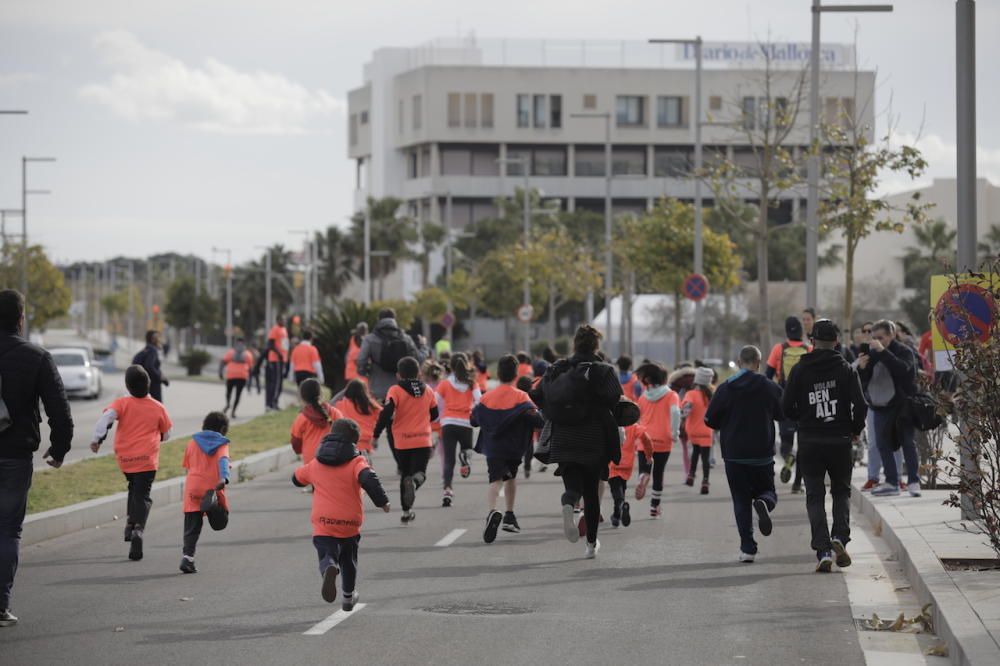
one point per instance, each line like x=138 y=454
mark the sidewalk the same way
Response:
x=922 y=532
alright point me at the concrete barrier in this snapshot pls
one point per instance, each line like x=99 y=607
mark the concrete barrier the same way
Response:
x=102 y=510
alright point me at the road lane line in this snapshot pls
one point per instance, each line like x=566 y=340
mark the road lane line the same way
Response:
x=450 y=538
x=329 y=623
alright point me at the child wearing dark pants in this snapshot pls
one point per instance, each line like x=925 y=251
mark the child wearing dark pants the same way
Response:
x=619 y=473
x=660 y=418
x=338 y=474
x=206 y=460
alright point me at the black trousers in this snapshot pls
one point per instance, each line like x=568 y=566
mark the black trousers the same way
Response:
x=139 y=502
x=617 y=486
x=703 y=452
x=412 y=462
x=819 y=460
x=747 y=483
x=786 y=431
x=273 y=374
x=234 y=385
x=342 y=552
x=582 y=481
x=452 y=436
x=193 y=522
x=656 y=468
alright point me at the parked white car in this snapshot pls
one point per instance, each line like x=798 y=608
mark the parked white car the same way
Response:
x=80 y=376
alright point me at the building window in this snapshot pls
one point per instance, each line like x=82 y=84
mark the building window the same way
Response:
x=469 y=160
x=548 y=161
x=486 y=109
x=588 y=161
x=470 y=109
x=539 y=111
x=352 y=129
x=555 y=110
x=630 y=111
x=749 y=107
x=524 y=110
x=418 y=119
x=454 y=110
x=412 y=165
x=628 y=161
x=670 y=111
x=514 y=167
x=590 y=102
x=672 y=161
x=425 y=162
x=715 y=103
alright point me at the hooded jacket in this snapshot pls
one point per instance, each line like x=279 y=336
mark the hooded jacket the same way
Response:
x=379 y=381
x=209 y=442
x=335 y=452
x=414 y=388
x=823 y=394
x=507 y=419
x=743 y=411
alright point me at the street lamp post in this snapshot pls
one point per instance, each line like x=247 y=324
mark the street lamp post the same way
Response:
x=268 y=318
x=24 y=229
x=525 y=163
x=229 y=293
x=812 y=199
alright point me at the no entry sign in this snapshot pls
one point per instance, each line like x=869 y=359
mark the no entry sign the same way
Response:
x=696 y=287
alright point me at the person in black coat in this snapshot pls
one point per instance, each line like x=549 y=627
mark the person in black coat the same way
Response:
x=149 y=359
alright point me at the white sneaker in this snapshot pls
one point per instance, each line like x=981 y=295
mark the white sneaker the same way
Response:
x=914 y=489
x=570 y=529
x=885 y=490
x=592 y=549
x=747 y=557
x=7 y=619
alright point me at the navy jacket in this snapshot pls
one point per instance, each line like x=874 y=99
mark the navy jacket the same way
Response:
x=506 y=425
x=744 y=410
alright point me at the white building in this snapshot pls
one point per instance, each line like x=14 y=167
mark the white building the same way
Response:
x=437 y=121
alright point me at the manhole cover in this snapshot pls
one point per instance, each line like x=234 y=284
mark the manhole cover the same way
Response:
x=477 y=609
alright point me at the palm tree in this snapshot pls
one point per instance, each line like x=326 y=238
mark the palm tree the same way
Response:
x=391 y=237
x=933 y=253
x=339 y=264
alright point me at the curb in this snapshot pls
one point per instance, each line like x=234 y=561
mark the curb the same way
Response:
x=955 y=621
x=101 y=510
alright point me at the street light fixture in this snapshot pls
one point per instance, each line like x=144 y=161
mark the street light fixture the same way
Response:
x=229 y=292
x=24 y=228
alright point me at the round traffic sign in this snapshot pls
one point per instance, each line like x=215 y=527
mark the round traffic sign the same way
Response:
x=448 y=319
x=696 y=287
x=525 y=313
x=965 y=311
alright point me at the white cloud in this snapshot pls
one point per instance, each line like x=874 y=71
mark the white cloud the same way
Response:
x=150 y=85
x=942 y=159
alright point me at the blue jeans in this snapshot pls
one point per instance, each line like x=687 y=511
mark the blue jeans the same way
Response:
x=15 y=480
x=893 y=433
x=874 y=457
x=747 y=483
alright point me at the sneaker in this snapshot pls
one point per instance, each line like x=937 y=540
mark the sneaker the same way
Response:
x=640 y=488
x=747 y=558
x=704 y=487
x=329 y=589
x=350 y=601
x=510 y=523
x=764 y=523
x=626 y=515
x=615 y=520
x=187 y=565
x=843 y=559
x=208 y=501
x=527 y=469
x=825 y=563
x=409 y=493
x=408 y=517
x=492 y=524
x=689 y=481
x=135 y=550
x=797 y=489
x=885 y=490
x=786 y=470
x=447 y=498
x=569 y=525
x=592 y=549
x=655 y=511
x=465 y=469
x=869 y=484
x=902 y=485
x=542 y=468
x=7 y=619
x=914 y=489
x=128 y=532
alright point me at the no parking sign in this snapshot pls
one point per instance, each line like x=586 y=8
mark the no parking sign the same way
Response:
x=963 y=311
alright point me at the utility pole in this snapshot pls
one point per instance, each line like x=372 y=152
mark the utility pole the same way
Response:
x=24 y=232
x=368 y=256
x=131 y=305
x=229 y=293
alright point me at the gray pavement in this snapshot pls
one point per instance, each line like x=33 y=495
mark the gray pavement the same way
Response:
x=667 y=591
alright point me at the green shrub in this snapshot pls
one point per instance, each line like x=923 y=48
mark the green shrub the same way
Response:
x=195 y=360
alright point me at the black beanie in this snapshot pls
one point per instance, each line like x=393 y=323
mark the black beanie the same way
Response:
x=346 y=430
x=137 y=381
x=793 y=328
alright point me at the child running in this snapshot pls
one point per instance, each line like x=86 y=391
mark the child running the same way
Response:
x=206 y=460
x=524 y=368
x=693 y=409
x=507 y=419
x=631 y=386
x=313 y=422
x=339 y=473
x=410 y=408
x=619 y=473
x=142 y=424
x=457 y=395
x=482 y=372
x=359 y=405
x=661 y=420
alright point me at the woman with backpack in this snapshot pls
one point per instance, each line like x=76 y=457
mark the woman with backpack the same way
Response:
x=577 y=396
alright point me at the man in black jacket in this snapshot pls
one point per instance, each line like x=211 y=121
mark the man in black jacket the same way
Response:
x=149 y=359
x=823 y=395
x=744 y=410
x=27 y=374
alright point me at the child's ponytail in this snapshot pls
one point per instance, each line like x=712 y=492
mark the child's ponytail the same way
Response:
x=460 y=368
x=310 y=390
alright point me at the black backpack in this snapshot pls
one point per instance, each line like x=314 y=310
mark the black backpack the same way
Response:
x=923 y=412
x=566 y=395
x=393 y=349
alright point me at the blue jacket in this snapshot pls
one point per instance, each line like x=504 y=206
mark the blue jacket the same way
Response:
x=505 y=433
x=209 y=442
x=744 y=410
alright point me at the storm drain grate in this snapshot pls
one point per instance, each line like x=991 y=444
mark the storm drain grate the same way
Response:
x=478 y=609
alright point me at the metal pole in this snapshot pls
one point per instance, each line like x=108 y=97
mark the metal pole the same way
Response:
x=699 y=260
x=449 y=333
x=812 y=200
x=24 y=243
x=131 y=305
x=526 y=296
x=608 y=254
x=229 y=304
x=368 y=257
x=149 y=293
x=267 y=289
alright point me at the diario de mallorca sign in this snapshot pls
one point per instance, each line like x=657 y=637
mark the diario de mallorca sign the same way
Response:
x=781 y=54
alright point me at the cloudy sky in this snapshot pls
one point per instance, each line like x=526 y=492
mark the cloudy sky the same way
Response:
x=187 y=124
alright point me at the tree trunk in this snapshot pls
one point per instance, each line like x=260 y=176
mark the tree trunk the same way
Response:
x=764 y=309
x=849 y=249
x=678 y=338
x=552 y=317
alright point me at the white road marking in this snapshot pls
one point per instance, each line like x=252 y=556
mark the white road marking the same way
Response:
x=329 y=623
x=450 y=538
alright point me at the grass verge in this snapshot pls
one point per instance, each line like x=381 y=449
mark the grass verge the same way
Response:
x=98 y=477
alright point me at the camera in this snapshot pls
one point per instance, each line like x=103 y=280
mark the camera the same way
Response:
x=864 y=347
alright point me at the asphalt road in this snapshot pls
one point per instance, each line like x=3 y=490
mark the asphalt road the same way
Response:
x=660 y=592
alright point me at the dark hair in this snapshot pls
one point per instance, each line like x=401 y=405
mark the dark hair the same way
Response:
x=549 y=355
x=307 y=334
x=137 y=381
x=149 y=336
x=216 y=422
x=652 y=374
x=357 y=392
x=386 y=313
x=346 y=430
x=460 y=367
x=587 y=340
x=624 y=363
x=706 y=391
x=900 y=326
x=524 y=383
x=445 y=357
x=11 y=310
x=507 y=368
x=811 y=311
x=408 y=368
x=310 y=391
x=523 y=357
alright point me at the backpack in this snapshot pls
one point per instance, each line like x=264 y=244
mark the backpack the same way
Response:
x=393 y=349
x=790 y=356
x=566 y=395
x=923 y=412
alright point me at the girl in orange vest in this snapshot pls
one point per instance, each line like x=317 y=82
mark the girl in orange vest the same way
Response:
x=206 y=460
x=360 y=405
x=700 y=435
x=482 y=371
x=524 y=368
x=313 y=422
x=353 y=349
x=236 y=365
x=660 y=418
x=457 y=395
x=619 y=473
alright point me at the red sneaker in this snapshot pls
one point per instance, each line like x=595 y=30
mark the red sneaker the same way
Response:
x=869 y=484
x=582 y=526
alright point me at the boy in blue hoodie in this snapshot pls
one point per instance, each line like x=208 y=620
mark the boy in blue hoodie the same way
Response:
x=507 y=419
x=743 y=411
x=206 y=460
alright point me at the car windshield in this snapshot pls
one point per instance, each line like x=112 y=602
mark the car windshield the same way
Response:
x=68 y=359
